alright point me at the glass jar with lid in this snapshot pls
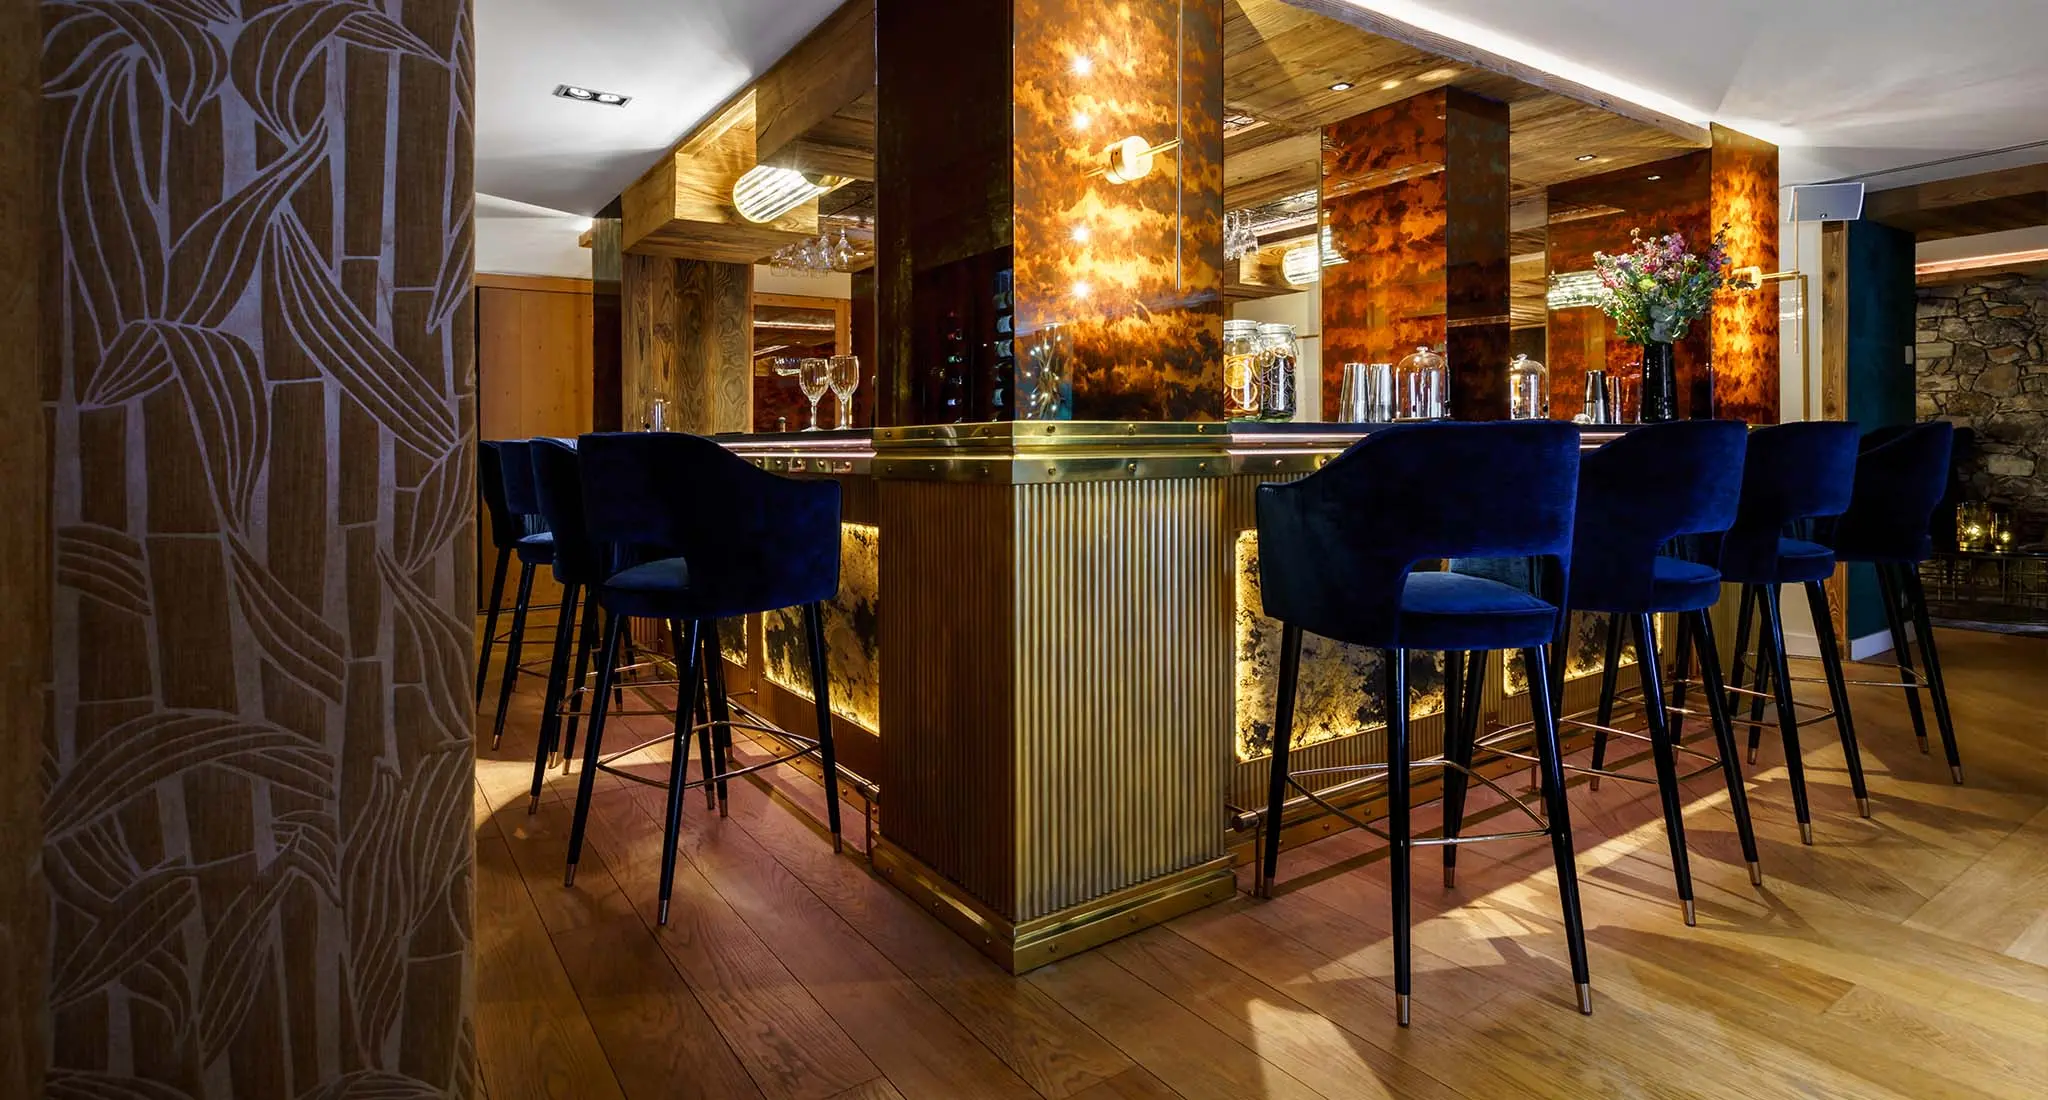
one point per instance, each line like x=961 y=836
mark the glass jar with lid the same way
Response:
x=1241 y=370
x=1420 y=385
x=1528 y=389
x=1279 y=358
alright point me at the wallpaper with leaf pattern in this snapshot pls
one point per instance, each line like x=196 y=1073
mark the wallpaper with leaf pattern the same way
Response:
x=260 y=395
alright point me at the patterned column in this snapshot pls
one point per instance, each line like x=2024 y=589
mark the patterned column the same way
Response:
x=1415 y=197
x=259 y=351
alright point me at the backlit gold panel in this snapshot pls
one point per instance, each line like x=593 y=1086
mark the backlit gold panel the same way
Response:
x=1123 y=685
x=1338 y=693
x=852 y=641
x=732 y=640
x=1585 y=652
x=1131 y=271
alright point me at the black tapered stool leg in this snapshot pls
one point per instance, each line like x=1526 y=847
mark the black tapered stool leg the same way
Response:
x=1937 y=686
x=587 y=642
x=1394 y=670
x=1716 y=695
x=607 y=666
x=1736 y=678
x=1902 y=651
x=1665 y=759
x=1681 y=675
x=558 y=682
x=821 y=689
x=1838 y=690
x=483 y=664
x=1283 y=736
x=1772 y=648
x=701 y=707
x=684 y=643
x=1558 y=809
x=1461 y=698
x=512 y=647
x=1610 y=674
x=1766 y=672
x=720 y=733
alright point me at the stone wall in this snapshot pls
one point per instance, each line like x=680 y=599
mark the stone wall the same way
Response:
x=1981 y=365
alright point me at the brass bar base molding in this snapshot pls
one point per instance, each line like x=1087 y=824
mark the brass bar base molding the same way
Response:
x=1028 y=945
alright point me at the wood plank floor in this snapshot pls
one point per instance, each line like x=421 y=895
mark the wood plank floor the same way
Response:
x=1904 y=956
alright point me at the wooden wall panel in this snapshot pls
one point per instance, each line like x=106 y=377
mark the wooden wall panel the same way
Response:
x=259 y=841
x=24 y=561
x=533 y=362
x=647 y=363
x=1415 y=195
x=607 y=322
x=1745 y=381
x=688 y=338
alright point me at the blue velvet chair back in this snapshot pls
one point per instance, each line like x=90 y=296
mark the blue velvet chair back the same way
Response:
x=1902 y=472
x=490 y=482
x=1637 y=493
x=516 y=456
x=751 y=540
x=1337 y=546
x=558 y=488
x=1790 y=473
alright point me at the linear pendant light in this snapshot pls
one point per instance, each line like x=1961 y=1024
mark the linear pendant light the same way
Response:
x=766 y=192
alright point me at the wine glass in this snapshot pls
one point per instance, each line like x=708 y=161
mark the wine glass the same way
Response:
x=845 y=372
x=813 y=376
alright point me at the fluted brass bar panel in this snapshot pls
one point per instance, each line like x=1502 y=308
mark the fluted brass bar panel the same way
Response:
x=1123 y=669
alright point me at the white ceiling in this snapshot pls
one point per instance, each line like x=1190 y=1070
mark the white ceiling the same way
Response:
x=1848 y=87
x=678 y=59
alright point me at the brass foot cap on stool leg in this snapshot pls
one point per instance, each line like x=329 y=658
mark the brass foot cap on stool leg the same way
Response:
x=1806 y=832
x=569 y=879
x=1263 y=887
x=1586 y=998
x=1450 y=876
x=1595 y=783
x=663 y=918
x=1752 y=757
x=533 y=805
x=1401 y=1008
x=1923 y=746
x=1692 y=918
x=1863 y=806
x=1957 y=772
x=1756 y=873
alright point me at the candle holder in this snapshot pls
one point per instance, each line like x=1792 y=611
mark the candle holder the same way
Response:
x=1974 y=521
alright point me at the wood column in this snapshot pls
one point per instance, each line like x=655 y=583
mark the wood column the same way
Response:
x=24 y=562
x=607 y=321
x=689 y=338
x=997 y=216
x=260 y=825
x=1415 y=195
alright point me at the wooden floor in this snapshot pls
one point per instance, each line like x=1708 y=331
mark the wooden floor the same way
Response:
x=1904 y=956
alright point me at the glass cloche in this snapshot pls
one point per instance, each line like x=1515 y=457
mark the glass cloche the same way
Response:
x=1421 y=383
x=1528 y=389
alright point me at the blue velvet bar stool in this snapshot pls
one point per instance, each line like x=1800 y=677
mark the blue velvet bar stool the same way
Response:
x=1794 y=475
x=506 y=531
x=1338 y=552
x=1637 y=495
x=1901 y=475
x=704 y=535
x=578 y=564
x=536 y=548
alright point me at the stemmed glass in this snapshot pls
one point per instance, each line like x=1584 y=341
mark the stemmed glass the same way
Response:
x=813 y=376
x=845 y=373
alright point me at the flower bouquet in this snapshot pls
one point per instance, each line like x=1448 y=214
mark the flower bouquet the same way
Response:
x=1655 y=291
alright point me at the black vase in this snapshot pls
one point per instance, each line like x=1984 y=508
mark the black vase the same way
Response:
x=1660 y=384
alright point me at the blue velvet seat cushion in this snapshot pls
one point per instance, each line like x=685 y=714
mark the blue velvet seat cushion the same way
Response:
x=1685 y=585
x=537 y=548
x=1459 y=611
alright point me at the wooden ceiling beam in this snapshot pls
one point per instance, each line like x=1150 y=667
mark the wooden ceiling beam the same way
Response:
x=682 y=207
x=814 y=111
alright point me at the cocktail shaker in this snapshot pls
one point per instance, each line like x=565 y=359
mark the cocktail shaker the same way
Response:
x=1368 y=394
x=1599 y=398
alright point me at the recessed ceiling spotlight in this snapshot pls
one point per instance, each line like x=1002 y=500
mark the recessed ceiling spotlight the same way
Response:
x=1341 y=86
x=1583 y=157
x=587 y=95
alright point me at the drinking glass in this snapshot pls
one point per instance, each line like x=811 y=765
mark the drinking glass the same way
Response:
x=813 y=376
x=845 y=376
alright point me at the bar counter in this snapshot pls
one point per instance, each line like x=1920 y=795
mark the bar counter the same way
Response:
x=1058 y=674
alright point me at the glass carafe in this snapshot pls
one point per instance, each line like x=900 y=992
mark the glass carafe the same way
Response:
x=1420 y=383
x=1279 y=357
x=1528 y=389
x=1241 y=370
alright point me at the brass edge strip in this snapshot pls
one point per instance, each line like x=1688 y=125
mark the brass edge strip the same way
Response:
x=1021 y=948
